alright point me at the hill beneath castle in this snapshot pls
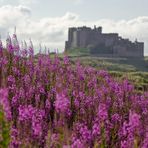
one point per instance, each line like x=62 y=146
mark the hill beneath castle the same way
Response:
x=110 y=63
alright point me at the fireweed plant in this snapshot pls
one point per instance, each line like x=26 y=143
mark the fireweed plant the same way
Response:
x=50 y=103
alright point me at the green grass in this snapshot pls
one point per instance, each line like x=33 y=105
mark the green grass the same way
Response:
x=114 y=64
x=77 y=52
x=4 y=131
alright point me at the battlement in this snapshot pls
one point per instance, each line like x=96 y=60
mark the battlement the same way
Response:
x=98 y=42
x=84 y=28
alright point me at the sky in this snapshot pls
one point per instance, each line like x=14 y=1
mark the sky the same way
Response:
x=46 y=22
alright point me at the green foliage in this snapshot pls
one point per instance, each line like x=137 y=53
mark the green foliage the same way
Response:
x=76 y=52
x=4 y=132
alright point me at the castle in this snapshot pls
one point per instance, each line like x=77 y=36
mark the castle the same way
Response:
x=107 y=44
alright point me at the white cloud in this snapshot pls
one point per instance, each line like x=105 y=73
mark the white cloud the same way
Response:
x=12 y=16
x=53 y=32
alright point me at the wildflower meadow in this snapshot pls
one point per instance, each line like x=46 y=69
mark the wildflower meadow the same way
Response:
x=48 y=102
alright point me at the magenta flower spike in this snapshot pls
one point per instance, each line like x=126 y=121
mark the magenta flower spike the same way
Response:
x=9 y=45
x=5 y=103
x=15 y=42
x=31 y=48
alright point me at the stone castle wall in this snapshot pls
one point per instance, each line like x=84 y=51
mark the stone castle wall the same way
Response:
x=85 y=37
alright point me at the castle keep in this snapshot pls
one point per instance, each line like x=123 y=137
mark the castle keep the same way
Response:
x=108 y=44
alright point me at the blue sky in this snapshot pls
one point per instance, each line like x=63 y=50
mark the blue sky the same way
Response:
x=47 y=21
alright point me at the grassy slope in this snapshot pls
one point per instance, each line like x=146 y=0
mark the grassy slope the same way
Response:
x=4 y=131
